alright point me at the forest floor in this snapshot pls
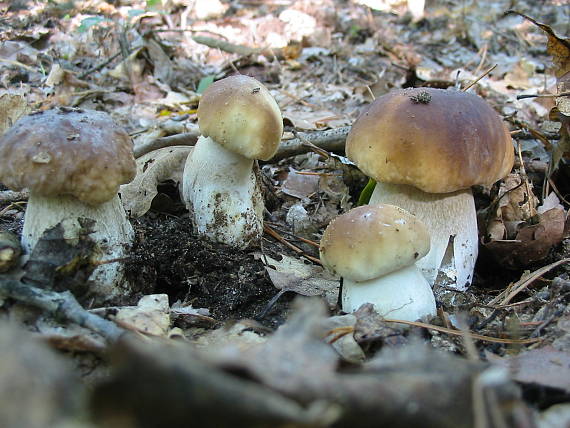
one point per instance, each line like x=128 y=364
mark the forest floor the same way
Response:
x=219 y=334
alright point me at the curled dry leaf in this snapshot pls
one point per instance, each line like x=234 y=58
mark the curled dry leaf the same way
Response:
x=12 y=107
x=532 y=241
x=292 y=274
x=150 y=316
x=152 y=169
x=516 y=204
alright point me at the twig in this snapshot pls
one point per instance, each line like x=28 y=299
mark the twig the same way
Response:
x=462 y=333
x=479 y=78
x=299 y=238
x=99 y=67
x=511 y=291
x=8 y=196
x=275 y=235
x=19 y=64
x=238 y=49
x=185 y=139
x=330 y=140
x=311 y=146
x=61 y=304
x=562 y=94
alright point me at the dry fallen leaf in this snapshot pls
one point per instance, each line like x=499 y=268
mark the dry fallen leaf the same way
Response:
x=150 y=316
x=12 y=107
x=292 y=274
x=152 y=169
x=545 y=366
x=532 y=241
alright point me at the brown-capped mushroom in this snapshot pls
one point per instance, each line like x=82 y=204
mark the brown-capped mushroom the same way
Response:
x=72 y=161
x=425 y=148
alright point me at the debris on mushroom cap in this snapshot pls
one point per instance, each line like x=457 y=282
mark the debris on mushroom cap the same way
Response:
x=67 y=151
x=239 y=113
x=373 y=240
x=452 y=142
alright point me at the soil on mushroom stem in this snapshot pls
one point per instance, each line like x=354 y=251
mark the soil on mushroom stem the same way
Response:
x=169 y=258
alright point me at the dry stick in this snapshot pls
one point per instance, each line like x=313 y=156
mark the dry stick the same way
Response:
x=306 y=241
x=511 y=291
x=479 y=78
x=331 y=140
x=275 y=235
x=100 y=66
x=185 y=139
x=8 y=196
x=61 y=304
x=311 y=146
x=562 y=94
x=238 y=49
x=462 y=333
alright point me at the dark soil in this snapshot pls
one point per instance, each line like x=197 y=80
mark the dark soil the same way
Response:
x=231 y=284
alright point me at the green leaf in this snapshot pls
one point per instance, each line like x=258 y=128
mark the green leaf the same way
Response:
x=204 y=83
x=87 y=23
x=135 y=12
x=366 y=193
x=152 y=3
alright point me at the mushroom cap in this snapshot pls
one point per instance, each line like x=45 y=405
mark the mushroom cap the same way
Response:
x=437 y=140
x=67 y=151
x=373 y=240
x=239 y=113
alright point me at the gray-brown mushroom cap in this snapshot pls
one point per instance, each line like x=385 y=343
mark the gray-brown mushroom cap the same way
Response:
x=373 y=240
x=436 y=140
x=67 y=152
x=240 y=114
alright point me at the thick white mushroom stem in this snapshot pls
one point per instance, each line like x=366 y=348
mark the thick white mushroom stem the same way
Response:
x=112 y=233
x=221 y=191
x=451 y=220
x=404 y=294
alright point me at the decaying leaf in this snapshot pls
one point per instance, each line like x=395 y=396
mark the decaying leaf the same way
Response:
x=291 y=274
x=545 y=366
x=532 y=241
x=12 y=107
x=516 y=204
x=341 y=337
x=31 y=376
x=150 y=316
x=153 y=169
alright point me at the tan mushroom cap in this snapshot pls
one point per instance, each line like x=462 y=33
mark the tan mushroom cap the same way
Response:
x=373 y=240
x=436 y=140
x=66 y=151
x=239 y=113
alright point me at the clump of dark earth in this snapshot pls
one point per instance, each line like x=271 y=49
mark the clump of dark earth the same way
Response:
x=169 y=258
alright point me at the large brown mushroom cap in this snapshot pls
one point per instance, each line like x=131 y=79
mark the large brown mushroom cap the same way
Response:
x=437 y=140
x=239 y=113
x=373 y=240
x=67 y=152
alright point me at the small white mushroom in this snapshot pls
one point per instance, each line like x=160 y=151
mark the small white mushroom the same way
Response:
x=240 y=122
x=374 y=249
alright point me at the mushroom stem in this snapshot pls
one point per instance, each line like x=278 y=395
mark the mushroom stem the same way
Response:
x=221 y=191
x=403 y=294
x=451 y=220
x=112 y=231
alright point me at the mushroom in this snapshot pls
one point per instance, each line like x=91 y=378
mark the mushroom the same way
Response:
x=72 y=161
x=425 y=148
x=239 y=121
x=374 y=249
